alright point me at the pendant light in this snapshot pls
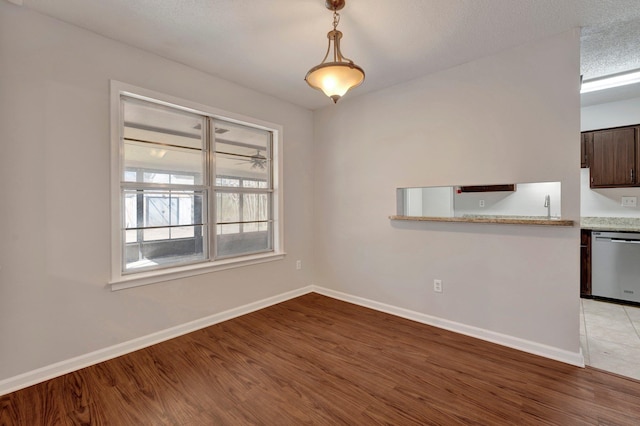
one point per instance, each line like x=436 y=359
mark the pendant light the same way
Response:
x=335 y=77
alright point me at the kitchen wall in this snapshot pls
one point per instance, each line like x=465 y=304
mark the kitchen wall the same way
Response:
x=511 y=117
x=55 y=303
x=527 y=200
x=434 y=202
x=606 y=202
x=610 y=114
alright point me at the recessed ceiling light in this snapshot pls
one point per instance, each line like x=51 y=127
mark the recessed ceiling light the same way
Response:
x=610 y=81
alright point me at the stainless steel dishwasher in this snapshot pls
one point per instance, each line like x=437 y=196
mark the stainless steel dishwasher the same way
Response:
x=616 y=265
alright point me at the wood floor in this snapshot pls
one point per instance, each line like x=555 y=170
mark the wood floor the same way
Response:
x=316 y=360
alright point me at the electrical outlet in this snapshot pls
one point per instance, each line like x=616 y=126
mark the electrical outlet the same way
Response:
x=298 y=264
x=437 y=286
x=629 y=201
x=481 y=203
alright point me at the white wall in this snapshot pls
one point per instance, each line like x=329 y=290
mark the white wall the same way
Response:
x=512 y=117
x=605 y=202
x=610 y=114
x=54 y=179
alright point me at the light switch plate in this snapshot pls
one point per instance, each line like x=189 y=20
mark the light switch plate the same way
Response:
x=629 y=201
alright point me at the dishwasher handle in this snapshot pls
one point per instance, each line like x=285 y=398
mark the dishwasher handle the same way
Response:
x=623 y=241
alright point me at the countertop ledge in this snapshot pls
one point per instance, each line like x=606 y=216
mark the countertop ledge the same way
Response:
x=501 y=220
x=622 y=224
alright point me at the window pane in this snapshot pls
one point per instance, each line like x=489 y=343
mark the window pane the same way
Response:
x=233 y=244
x=130 y=210
x=250 y=227
x=182 y=232
x=227 y=181
x=162 y=144
x=233 y=166
x=160 y=208
x=151 y=122
x=243 y=153
x=250 y=183
x=156 y=177
x=156 y=234
x=130 y=175
x=233 y=228
x=158 y=252
x=151 y=163
x=255 y=207
x=248 y=236
x=227 y=207
x=131 y=236
x=233 y=138
x=183 y=179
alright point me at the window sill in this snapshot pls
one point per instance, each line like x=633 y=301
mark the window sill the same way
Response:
x=152 y=277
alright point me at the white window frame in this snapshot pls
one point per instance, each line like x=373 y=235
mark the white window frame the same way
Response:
x=119 y=280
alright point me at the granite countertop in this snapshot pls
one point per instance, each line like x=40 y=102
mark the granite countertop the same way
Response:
x=611 y=223
x=512 y=220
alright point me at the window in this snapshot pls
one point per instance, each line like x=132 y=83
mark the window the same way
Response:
x=194 y=188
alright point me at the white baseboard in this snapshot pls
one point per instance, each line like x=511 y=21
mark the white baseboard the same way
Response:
x=58 y=369
x=29 y=378
x=573 y=358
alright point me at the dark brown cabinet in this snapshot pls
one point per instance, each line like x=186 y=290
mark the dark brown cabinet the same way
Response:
x=586 y=141
x=585 y=262
x=613 y=156
x=488 y=188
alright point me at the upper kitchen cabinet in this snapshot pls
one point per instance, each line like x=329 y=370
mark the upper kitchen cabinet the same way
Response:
x=612 y=156
x=586 y=142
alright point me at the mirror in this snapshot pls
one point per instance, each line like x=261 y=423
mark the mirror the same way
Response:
x=538 y=200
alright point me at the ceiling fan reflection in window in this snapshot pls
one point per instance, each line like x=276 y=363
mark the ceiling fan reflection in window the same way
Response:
x=257 y=161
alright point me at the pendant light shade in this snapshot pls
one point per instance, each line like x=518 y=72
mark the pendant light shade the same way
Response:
x=336 y=77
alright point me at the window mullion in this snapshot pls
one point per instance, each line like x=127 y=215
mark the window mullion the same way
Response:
x=241 y=207
x=139 y=221
x=271 y=196
x=212 y=197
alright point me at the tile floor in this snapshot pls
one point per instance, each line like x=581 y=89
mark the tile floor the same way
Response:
x=610 y=337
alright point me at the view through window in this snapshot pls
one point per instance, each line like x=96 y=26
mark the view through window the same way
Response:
x=194 y=188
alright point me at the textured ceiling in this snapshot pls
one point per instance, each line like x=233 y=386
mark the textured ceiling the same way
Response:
x=610 y=49
x=268 y=45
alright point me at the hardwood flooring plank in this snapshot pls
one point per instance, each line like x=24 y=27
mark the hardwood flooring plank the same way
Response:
x=316 y=360
x=37 y=405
